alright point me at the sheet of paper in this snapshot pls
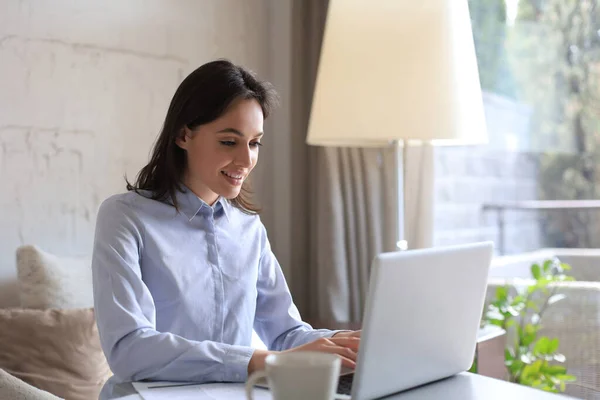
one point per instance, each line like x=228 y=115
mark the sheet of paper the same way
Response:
x=206 y=391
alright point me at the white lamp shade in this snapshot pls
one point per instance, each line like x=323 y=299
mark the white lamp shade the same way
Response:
x=397 y=70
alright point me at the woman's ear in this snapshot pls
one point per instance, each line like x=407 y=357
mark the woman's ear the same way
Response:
x=183 y=137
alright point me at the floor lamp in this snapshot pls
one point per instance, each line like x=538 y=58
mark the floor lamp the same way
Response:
x=396 y=72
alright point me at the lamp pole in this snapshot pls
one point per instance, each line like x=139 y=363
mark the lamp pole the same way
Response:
x=400 y=151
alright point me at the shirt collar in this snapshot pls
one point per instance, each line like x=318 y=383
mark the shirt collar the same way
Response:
x=190 y=204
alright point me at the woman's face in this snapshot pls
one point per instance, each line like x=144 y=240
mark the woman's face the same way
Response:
x=221 y=154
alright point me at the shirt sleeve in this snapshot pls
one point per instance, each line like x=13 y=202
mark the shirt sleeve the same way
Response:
x=277 y=321
x=126 y=314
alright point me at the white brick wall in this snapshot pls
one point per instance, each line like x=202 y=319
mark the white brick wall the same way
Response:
x=84 y=87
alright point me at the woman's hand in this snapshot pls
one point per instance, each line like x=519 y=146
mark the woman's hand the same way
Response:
x=345 y=347
x=344 y=344
x=347 y=334
x=257 y=361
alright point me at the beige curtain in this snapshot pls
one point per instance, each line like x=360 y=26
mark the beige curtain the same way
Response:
x=348 y=226
x=343 y=198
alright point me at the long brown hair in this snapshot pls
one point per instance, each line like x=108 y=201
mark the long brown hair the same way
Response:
x=202 y=97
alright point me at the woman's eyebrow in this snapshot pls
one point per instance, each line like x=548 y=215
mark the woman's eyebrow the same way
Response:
x=238 y=133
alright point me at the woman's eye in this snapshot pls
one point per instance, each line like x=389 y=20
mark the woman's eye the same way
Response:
x=232 y=143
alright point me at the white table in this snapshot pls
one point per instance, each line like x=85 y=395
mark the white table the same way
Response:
x=465 y=386
x=468 y=386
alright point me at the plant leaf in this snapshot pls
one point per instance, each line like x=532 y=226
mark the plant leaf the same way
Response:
x=512 y=311
x=555 y=370
x=528 y=339
x=553 y=345
x=526 y=358
x=532 y=368
x=556 y=298
x=473 y=368
x=536 y=271
x=543 y=282
x=529 y=336
x=567 y=378
x=502 y=292
x=542 y=346
x=549 y=389
x=516 y=366
x=527 y=369
x=494 y=314
x=509 y=354
x=548 y=266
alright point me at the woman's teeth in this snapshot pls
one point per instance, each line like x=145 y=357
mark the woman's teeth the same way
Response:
x=232 y=175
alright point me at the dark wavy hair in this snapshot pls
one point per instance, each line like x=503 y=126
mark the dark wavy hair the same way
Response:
x=202 y=97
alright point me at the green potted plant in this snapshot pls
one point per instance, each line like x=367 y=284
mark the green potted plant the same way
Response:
x=531 y=359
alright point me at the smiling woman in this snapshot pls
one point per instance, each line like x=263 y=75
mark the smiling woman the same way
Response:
x=221 y=154
x=219 y=105
x=183 y=271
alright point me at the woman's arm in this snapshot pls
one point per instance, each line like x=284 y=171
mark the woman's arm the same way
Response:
x=277 y=320
x=126 y=315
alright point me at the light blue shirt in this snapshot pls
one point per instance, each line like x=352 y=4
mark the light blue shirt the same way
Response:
x=177 y=295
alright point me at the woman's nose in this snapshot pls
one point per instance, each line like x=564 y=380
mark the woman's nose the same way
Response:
x=244 y=157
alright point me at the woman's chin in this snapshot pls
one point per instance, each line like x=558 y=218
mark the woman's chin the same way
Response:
x=229 y=194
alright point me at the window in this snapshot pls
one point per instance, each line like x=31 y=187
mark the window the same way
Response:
x=539 y=66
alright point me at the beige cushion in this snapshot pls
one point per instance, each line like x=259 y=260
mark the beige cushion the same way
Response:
x=50 y=281
x=54 y=350
x=15 y=389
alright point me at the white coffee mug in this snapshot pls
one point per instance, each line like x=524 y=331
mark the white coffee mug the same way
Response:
x=299 y=376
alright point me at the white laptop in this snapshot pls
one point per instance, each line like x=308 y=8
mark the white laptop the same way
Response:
x=421 y=318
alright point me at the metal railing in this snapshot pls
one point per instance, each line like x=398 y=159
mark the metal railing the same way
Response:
x=533 y=205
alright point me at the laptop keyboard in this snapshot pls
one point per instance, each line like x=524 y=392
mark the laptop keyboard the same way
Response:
x=345 y=384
